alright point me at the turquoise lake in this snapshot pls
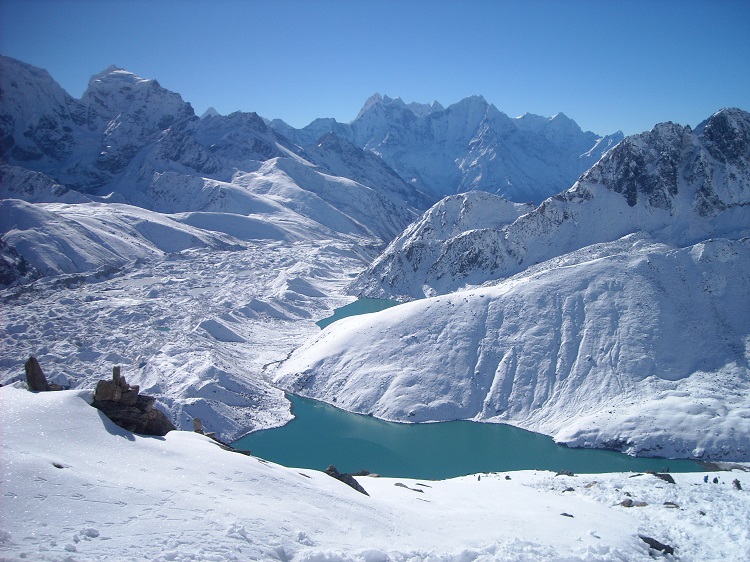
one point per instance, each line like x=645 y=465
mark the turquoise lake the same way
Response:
x=360 y=306
x=321 y=435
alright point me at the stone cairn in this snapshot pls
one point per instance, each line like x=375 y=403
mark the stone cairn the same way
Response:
x=134 y=412
x=122 y=404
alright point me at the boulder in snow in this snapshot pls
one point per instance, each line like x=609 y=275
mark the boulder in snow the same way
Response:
x=35 y=377
x=122 y=404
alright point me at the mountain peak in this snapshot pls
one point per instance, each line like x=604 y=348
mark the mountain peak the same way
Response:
x=111 y=69
x=210 y=112
x=418 y=109
x=374 y=99
x=472 y=101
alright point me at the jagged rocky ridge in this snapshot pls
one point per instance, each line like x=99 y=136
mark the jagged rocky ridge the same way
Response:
x=679 y=185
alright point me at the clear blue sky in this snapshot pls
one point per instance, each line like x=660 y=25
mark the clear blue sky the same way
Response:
x=607 y=64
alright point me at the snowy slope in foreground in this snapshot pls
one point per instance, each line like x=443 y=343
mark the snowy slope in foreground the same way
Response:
x=77 y=487
x=632 y=345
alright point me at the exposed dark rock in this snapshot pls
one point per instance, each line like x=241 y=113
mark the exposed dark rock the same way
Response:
x=664 y=476
x=35 y=377
x=565 y=473
x=198 y=428
x=656 y=545
x=402 y=485
x=566 y=514
x=142 y=418
x=347 y=479
x=736 y=484
x=671 y=505
x=13 y=266
x=122 y=404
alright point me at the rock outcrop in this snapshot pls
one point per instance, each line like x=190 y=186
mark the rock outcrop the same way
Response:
x=657 y=545
x=34 y=376
x=346 y=478
x=122 y=404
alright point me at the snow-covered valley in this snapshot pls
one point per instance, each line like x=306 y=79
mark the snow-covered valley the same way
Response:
x=197 y=329
x=197 y=254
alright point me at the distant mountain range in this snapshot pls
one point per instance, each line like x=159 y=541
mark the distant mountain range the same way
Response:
x=128 y=140
x=468 y=146
x=125 y=129
x=680 y=186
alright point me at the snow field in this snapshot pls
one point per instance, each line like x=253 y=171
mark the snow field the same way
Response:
x=76 y=487
x=633 y=345
x=197 y=330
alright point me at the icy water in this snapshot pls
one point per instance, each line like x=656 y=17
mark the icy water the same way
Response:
x=321 y=435
x=360 y=306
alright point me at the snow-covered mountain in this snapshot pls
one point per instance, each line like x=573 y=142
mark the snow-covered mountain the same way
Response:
x=193 y=252
x=122 y=125
x=135 y=142
x=470 y=145
x=616 y=345
x=405 y=266
x=679 y=185
x=613 y=315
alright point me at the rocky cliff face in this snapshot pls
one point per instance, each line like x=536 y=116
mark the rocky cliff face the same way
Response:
x=38 y=118
x=123 y=126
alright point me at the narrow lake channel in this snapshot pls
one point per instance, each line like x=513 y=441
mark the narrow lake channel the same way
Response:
x=360 y=306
